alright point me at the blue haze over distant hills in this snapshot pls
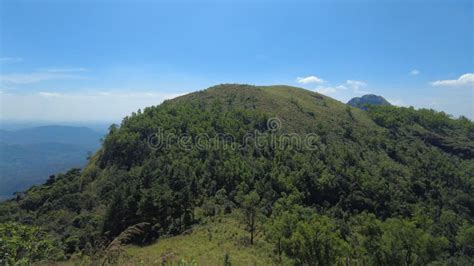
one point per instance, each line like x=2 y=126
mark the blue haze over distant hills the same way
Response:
x=31 y=151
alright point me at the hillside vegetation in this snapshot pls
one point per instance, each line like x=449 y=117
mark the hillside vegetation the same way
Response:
x=206 y=244
x=386 y=186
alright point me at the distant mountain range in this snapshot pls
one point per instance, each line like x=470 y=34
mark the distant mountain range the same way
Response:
x=368 y=99
x=28 y=156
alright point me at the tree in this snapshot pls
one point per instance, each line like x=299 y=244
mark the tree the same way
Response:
x=227 y=260
x=402 y=243
x=251 y=213
x=114 y=216
x=465 y=240
x=365 y=235
x=147 y=208
x=51 y=180
x=22 y=244
x=195 y=191
x=287 y=211
x=317 y=242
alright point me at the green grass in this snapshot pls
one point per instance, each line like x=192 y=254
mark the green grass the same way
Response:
x=300 y=110
x=206 y=244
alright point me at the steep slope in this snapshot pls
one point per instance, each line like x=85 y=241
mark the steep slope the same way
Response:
x=301 y=162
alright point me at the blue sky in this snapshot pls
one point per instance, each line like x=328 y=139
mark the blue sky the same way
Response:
x=101 y=60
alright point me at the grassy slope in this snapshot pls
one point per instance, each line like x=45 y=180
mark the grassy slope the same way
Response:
x=296 y=107
x=207 y=244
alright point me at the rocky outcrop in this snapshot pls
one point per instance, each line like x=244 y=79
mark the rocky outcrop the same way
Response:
x=140 y=233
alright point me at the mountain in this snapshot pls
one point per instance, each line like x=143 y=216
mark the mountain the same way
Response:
x=368 y=99
x=28 y=156
x=263 y=175
x=16 y=125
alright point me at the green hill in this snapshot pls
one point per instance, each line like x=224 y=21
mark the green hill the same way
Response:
x=310 y=180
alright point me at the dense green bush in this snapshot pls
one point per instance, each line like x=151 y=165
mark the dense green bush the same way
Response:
x=22 y=244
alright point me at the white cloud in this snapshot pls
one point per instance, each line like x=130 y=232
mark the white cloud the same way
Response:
x=309 y=80
x=330 y=89
x=414 y=72
x=341 y=87
x=397 y=102
x=356 y=83
x=464 y=80
x=110 y=104
x=356 y=86
x=104 y=93
x=10 y=59
x=110 y=94
x=350 y=88
x=326 y=90
x=34 y=77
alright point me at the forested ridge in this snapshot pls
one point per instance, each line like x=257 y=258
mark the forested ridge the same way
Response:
x=386 y=186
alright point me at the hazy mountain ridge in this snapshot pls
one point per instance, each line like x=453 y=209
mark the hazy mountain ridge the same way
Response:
x=79 y=136
x=28 y=156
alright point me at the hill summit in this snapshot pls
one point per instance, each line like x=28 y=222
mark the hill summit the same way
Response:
x=293 y=176
x=368 y=99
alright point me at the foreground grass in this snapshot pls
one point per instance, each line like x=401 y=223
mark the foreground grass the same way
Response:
x=206 y=244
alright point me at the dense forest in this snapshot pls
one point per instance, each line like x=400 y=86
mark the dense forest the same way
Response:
x=383 y=186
